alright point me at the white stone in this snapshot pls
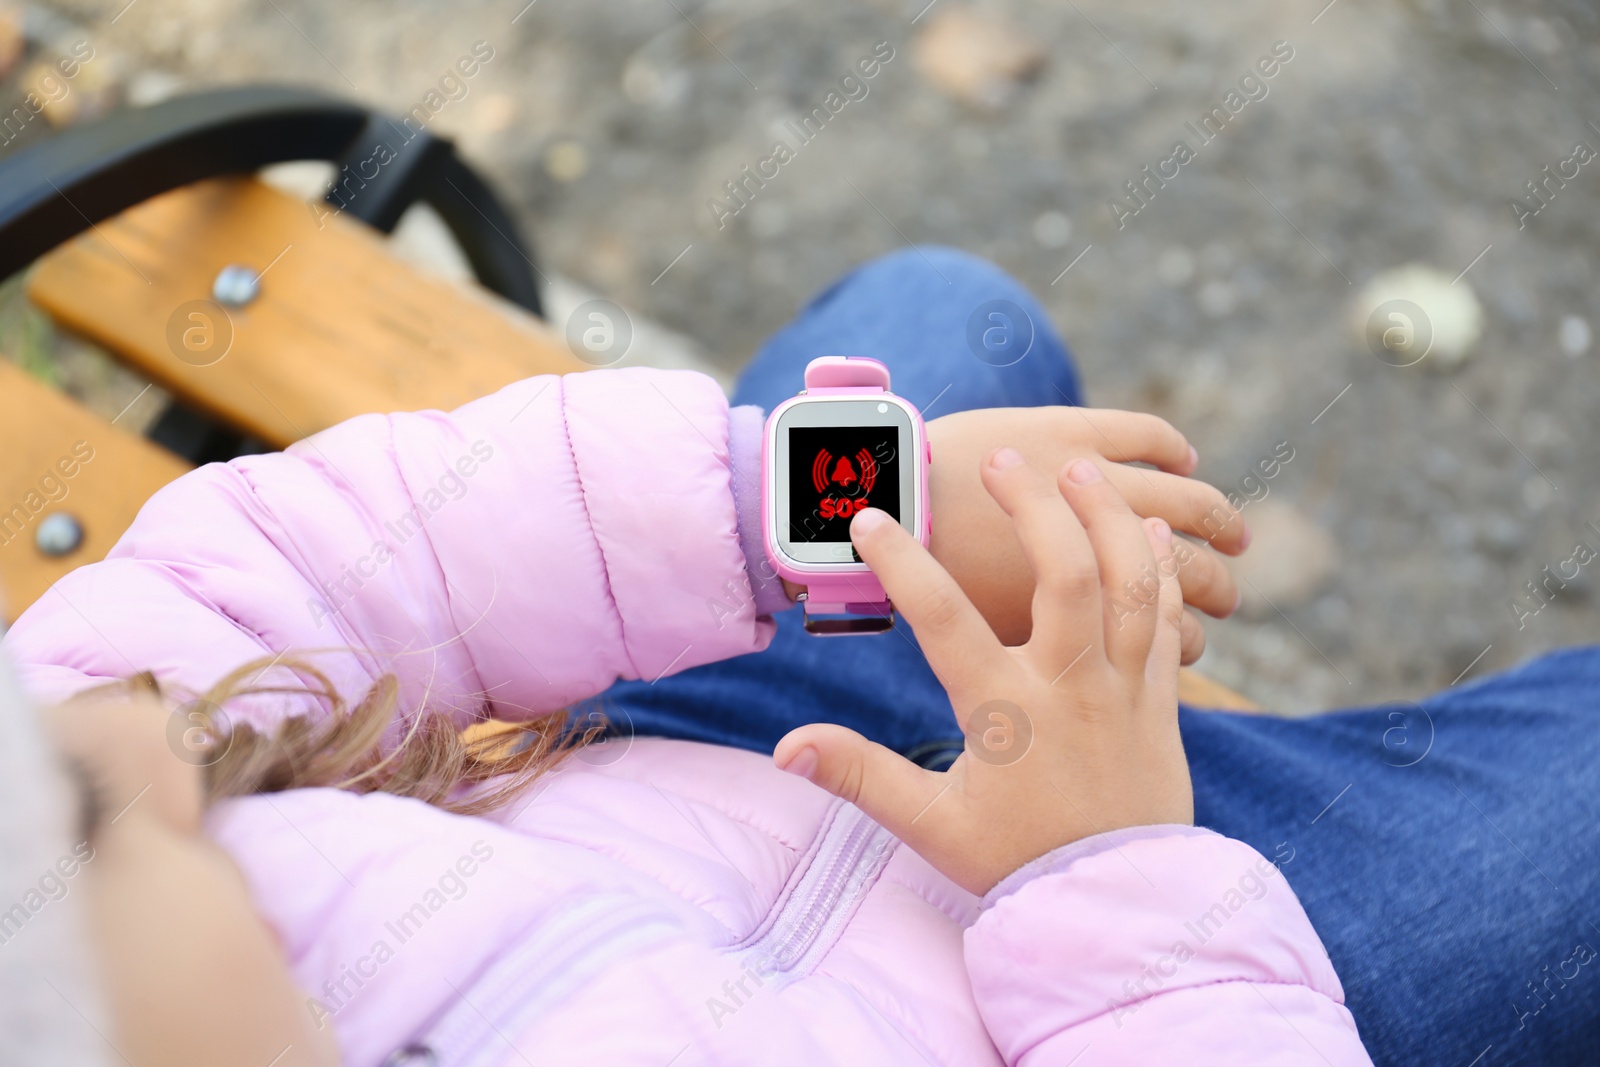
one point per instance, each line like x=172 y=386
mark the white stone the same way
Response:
x=151 y=87
x=1052 y=229
x=1537 y=493
x=1452 y=317
x=1176 y=265
x=566 y=161
x=769 y=218
x=1575 y=335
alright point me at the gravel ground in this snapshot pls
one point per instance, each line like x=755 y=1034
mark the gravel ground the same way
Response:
x=1391 y=548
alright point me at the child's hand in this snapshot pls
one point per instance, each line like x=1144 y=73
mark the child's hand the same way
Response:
x=1074 y=733
x=974 y=541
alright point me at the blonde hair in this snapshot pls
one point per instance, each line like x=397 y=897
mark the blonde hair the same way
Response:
x=342 y=749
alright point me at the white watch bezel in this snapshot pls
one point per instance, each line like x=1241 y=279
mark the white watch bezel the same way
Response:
x=863 y=410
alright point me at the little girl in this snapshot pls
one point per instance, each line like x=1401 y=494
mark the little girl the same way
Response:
x=297 y=859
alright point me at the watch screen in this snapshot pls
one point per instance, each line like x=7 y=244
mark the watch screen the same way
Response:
x=834 y=472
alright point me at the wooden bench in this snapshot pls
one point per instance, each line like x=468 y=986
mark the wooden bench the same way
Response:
x=340 y=327
x=60 y=458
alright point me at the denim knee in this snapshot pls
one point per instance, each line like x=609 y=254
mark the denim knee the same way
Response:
x=978 y=324
x=933 y=272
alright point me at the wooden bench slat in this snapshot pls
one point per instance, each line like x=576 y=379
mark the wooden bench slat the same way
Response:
x=342 y=327
x=1198 y=691
x=44 y=435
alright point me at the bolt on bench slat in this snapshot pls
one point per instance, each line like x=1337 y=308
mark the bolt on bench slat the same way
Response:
x=341 y=327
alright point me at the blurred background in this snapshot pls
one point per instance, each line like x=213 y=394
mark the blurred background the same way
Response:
x=1249 y=299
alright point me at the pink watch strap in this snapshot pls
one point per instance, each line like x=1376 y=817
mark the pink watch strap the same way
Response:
x=847 y=594
x=845 y=374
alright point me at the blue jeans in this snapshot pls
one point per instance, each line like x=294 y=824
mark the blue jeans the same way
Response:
x=1446 y=852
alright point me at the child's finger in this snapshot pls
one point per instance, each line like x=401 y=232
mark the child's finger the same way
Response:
x=1166 y=648
x=1136 y=437
x=1207 y=583
x=1193 y=635
x=1189 y=505
x=1127 y=566
x=881 y=782
x=959 y=645
x=1066 y=596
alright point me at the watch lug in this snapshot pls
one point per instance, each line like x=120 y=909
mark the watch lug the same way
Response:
x=849 y=627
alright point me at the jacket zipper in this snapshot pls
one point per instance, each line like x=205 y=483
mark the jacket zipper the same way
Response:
x=854 y=850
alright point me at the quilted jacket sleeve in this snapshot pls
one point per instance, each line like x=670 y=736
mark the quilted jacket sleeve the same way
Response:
x=510 y=557
x=1161 y=944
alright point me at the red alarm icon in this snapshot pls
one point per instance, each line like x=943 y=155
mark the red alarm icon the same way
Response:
x=826 y=473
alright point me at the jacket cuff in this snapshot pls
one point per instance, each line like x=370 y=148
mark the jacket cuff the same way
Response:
x=746 y=424
x=1060 y=859
x=1197 y=918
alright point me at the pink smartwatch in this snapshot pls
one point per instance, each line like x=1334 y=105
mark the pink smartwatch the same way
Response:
x=845 y=443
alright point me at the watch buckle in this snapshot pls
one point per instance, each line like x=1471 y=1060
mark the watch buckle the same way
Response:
x=847 y=625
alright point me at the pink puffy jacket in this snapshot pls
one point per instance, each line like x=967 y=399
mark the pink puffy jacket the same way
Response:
x=655 y=902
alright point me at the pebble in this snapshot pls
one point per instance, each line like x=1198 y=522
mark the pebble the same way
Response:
x=769 y=218
x=1176 y=265
x=59 y=111
x=495 y=113
x=1575 y=335
x=1542 y=35
x=566 y=161
x=651 y=82
x=151 y=87
x=1291 y=558
x=1500 y=535
x=1537 y=493
x=978 y=57
x=1451 y=320
x=1052 y=229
